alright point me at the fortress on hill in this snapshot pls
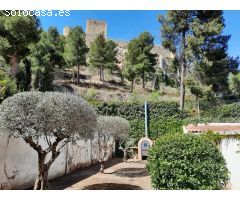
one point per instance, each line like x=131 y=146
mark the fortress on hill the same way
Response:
x=96 y=27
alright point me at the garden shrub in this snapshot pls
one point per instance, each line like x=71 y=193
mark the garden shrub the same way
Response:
x=165 y=125
x=213 y=137
x=186 y=162
x=90 y=94
x=157 y=127
x=7 y=86
x=164 y=117
x=133 y=111
x=223 y=111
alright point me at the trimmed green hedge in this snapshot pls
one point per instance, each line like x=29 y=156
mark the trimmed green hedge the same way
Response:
x=133 y=111
x=222 y=111
x=165 y=117
x=178 y=162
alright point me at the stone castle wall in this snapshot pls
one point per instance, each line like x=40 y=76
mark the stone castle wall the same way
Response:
x=93 y=29
x=96 y=27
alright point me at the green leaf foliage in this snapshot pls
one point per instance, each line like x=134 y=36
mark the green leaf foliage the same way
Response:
x=16 y=34
x=7 y=86
x=75 y=48
x=234 y=83
x=47 y=56
x=102 y=55
x=164 y=117
x=132 y=111
x=184 y=162
x=140 y=61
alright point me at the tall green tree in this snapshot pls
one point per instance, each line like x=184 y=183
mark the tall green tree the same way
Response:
x=111 y=56
x=195 y=37
x=130 y=70
x=175 y=30
x=47 y=56
x=234 y=83
x=139 y=60
x=209 y=50
x=146 y=60
x=16 y=35
x=75 y=49
x=102 y=55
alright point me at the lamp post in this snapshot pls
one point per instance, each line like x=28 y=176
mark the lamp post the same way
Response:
x=146 y=119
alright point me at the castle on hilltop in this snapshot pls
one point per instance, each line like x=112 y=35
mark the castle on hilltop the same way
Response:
x=96 y=27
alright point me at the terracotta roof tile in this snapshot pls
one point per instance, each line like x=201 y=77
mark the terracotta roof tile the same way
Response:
x=213 y=127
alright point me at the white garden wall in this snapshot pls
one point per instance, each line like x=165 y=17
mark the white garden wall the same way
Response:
x=18 y=161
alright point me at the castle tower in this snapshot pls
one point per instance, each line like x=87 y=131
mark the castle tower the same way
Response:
x=93 y=29
x=66 y=30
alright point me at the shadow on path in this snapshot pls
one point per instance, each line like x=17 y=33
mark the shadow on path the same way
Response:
x=70 y=179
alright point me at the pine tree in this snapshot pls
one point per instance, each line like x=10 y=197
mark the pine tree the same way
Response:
x=145 y=60
x=97 y=55
x=111 y=56
x=175 y=30
x=195 y=37
x=102 y=55
x=130 y=70
x=140 y=61
x=75 y=49
x=16 y=34
x=47 y=56
x=234 y=83
x=209 y=50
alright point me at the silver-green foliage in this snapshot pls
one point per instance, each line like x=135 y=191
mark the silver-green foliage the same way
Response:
x=109 y=129
x=114 y=127
x=58 y=118
x=49 y=114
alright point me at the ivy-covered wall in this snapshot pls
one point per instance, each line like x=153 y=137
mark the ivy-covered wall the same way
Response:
x=164 y=117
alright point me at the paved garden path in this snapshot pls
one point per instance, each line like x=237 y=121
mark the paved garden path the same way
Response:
x=117 y=175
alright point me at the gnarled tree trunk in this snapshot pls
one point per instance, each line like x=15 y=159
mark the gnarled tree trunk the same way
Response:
x=42 y=178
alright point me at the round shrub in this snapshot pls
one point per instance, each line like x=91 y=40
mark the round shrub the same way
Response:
x=186 y=162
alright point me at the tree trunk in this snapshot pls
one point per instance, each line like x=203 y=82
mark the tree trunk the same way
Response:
x=125 y=155
x=103 y=78
x=78 y=71
x=28 y=71
x=42 y=178
x=143 y=80
x=14 y=62
x=122 y=79
x=182 y=75
x=101 y=166
x=100 y=73
x=73 y=75
x=198 y=107
x=132 y=85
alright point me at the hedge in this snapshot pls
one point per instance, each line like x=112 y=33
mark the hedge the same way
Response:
x=164 y=117
x=133 y=111
x=222 y=111
x=186 y=162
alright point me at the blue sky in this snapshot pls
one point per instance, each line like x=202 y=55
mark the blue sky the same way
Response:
x=126 y=25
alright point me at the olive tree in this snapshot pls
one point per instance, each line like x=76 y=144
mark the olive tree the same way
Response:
x=109 y=129
x=56 y=118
